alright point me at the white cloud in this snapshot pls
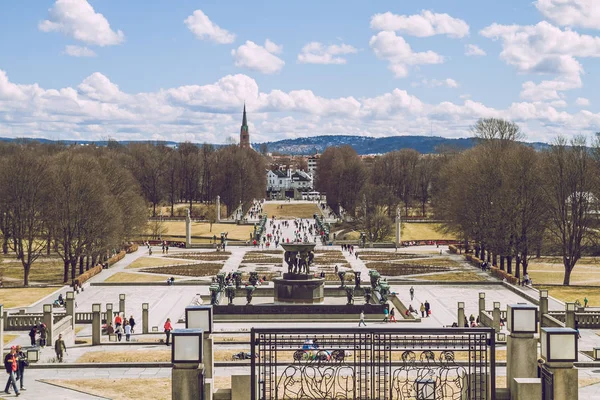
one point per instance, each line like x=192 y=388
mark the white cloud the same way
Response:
x=263 y=59
x=432 y=83
x=77 y=19
x=399 y=54
x=79 y=51
x=317 y=53
x=582 y=101
x=422 y=25
x=580 y=13
x=473 y=50
x=97 y=108
x=205 y=29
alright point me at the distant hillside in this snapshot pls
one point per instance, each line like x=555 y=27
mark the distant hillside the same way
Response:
x=367 y=145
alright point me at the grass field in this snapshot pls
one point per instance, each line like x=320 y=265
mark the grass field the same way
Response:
x=423 y=231
x=452 y=277
x=23 y=297
x=570 y=294
x=197 y=270
x=129 y=277
x=144 y=262
x=50 y=271
x=291 y=211
x=548 y=270
x=235 y=232
x=442 y=262
x=9 y=337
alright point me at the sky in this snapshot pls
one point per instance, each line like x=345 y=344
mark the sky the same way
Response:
x=182 y=70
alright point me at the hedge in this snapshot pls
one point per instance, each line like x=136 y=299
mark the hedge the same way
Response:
x=80 y=280
x=132 y=248
x=498 y=273
x=117 y=257
x=453 y=249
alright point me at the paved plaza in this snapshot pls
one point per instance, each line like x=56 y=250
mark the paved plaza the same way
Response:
x=170 y=302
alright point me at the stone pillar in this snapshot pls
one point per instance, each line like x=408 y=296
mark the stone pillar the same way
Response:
x=496 y=317
x=543 y=305
x=70 y=306
x=96 y=324
x=109 y=314
x=122 y=304
x=145 y=307
x=188 y=230
x=521 y=358
x=185 y=381
x=218 y=208
x=2 y=331
x=566 y=380
x=461 y=314
x=570 y=315
x=208 y=357
x=241 y=387
x=527 y=388
x=481 y=303
x=398 y=225
x=48 y=320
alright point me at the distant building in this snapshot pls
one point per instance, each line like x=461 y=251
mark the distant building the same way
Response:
x=313 y=163
x=244 y=134
x=288 y=184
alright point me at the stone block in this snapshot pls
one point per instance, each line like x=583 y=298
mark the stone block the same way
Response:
x=240 y=387
x=527 y=388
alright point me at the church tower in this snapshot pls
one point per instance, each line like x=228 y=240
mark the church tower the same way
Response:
x=244 y=135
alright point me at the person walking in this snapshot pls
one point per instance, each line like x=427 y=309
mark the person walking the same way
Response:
x=393 y=315
x=362 y=319
x=22 y=363
x=427 y=308
x=43 y=334
x=11 y=364
x=32 y=333
x=386 y=314
x=119 y=332
x=585 y=302
x=59 y=347
x=168 y=329
x=118 y=320
x=132 y=323
x=127 y=331
x=422 y=309
x=412 y=293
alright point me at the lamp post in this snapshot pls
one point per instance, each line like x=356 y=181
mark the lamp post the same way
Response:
x=109 y=313
x=49 y=321
x=543 y=302
x=187 y=378
x=496 y=316
x=96 y=324
x=70 y=306
x=122 y=304
x=145 y=307
x=570 y=315
x=559 y=351
x=201 y=317
x=521 y=346
x=481 y=303
x=461 y=314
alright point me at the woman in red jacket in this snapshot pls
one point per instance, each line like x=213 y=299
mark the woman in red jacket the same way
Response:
x=168 y=329
x=11 y=365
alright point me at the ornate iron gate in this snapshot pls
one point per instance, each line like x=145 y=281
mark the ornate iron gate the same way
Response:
x=547 y=382
x=373 y=364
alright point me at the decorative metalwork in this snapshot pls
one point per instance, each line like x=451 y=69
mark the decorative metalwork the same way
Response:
x=382 y=364
x=547 y=382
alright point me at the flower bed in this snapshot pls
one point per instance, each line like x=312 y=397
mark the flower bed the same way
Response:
x=208 y=256
x=196 y=270
x=401 y=269
x=386 y=256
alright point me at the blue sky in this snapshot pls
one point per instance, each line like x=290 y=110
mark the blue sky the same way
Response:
x=73 y=69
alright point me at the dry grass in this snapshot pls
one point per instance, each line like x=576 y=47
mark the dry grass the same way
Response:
x=9 y=337
x=23 y=297
x=144 y=262
x=291 y=211
x=570 y=294
x=42 y=271
x=423 y=231
x=203 y=269
x=125 y=356
x=206 y=256
x=545 y=271
x=452 y=277
x=132 y=277
x=370 y=255
x=401 y=269
x=235 y=232
x=438 y=262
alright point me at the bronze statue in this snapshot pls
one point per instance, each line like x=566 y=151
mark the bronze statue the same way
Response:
x=350 y=295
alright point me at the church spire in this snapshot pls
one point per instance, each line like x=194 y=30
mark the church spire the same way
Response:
x=244 y=134
x=244 y=122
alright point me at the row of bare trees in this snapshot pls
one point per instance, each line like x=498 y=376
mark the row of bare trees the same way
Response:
x=79 y=202
x=511 y=201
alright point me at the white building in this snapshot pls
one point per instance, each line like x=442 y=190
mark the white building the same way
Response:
x=288 y=180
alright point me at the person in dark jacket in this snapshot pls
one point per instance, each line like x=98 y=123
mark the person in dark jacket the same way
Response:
x=11 y=364
x=32 y=333
x=22 y=364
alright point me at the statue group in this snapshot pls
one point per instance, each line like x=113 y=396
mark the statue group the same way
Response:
x=299 y=261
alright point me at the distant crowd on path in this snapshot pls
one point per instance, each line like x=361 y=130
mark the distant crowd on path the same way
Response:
x=304 y=230
x=256 y=210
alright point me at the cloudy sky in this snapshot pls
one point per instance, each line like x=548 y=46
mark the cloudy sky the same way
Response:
x=181 y=70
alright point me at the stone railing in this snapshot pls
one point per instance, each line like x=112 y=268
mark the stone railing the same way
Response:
x=588 y=320
x=549 y=321
x=21 y=322
x=63 y=327
x=486 y=318
x=86 y=317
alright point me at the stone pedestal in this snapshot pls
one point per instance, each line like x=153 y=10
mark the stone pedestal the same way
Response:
x=570 y=319
x=109 y=314
x=299 y=289
x=48 y=320
x=145 y=321
x=70 y=308
x=481 y=303
x=527 y=389
x=543 y=306
x=521 y=361
x=208 y=357
x=96 y=328
x=241 y=388
x=566 y=380
x=187 y=381
x=461 y=317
